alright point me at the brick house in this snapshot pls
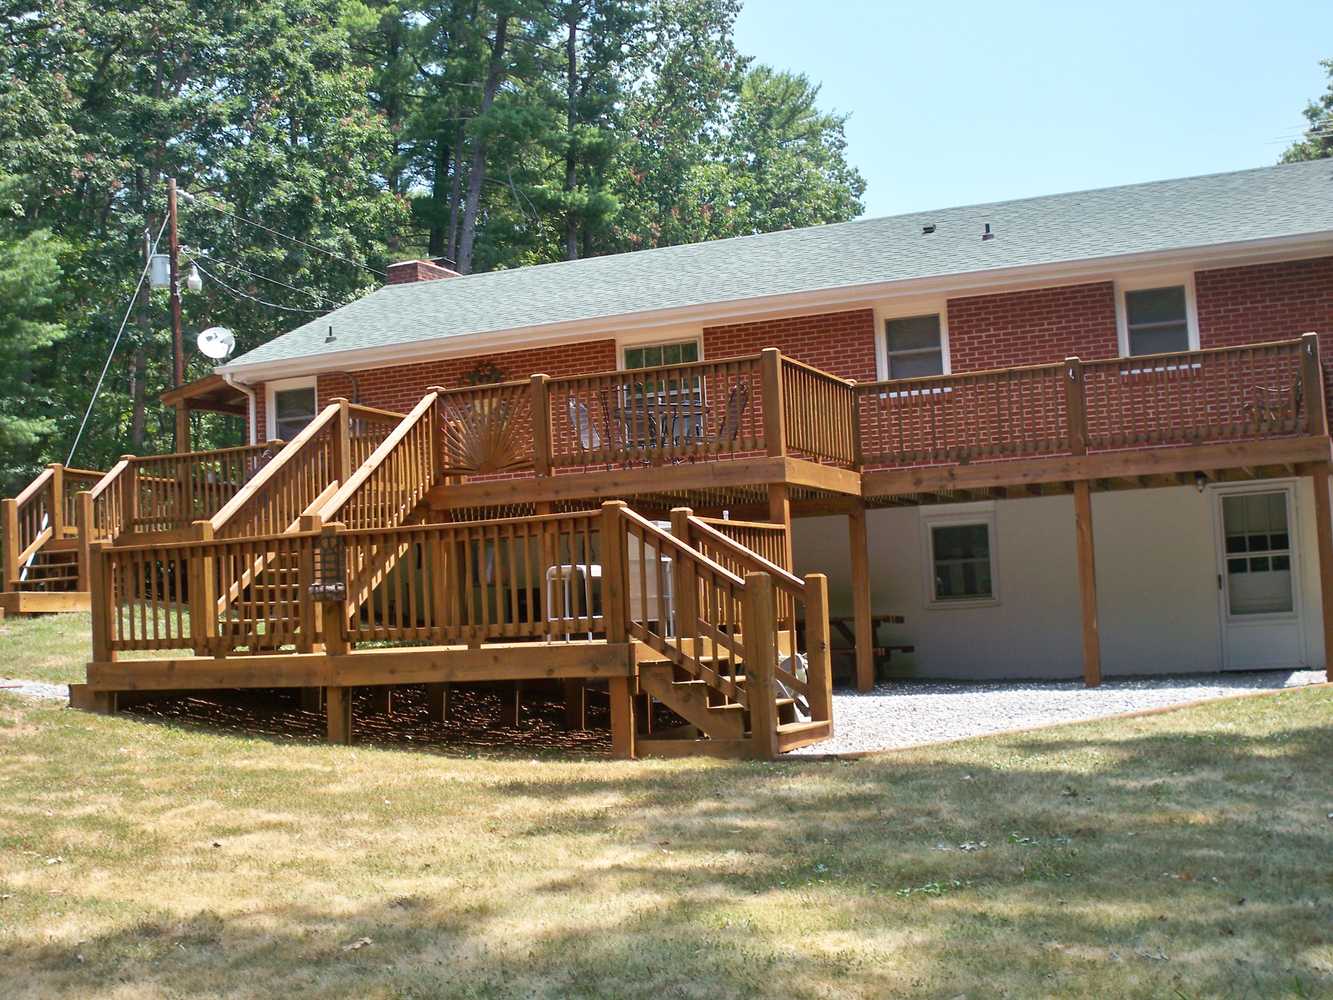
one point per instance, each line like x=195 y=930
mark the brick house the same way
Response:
x=1205 y=559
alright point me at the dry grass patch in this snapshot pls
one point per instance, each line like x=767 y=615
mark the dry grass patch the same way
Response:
x=1177 y=855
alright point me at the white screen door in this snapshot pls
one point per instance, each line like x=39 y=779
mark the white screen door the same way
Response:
x=1258 y=579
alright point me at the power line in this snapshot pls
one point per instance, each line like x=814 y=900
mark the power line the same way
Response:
x=263 y=277
x=263 y=302
x=115 y=343
x=259 y=225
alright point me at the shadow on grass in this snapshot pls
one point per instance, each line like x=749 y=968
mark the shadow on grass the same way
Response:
x=1145 y=860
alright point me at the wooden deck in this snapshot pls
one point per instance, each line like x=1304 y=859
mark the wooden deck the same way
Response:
x=494 y=532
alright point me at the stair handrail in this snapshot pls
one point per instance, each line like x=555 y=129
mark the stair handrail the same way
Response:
x=28 y=525
x=410 y=448
x=242 y=510
x=786 y=580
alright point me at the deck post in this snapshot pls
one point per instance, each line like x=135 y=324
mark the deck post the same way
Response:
x=203 y=592
x=338 y=709
x=102 y=603
x=1323 y=516
x=775 y=422
x=541 y=425
x=759 y=637
x=344 y=453
x=83 y=522
x=1076 y=410
x=615 y=586
x=437 y=702
x=1087 y=583
x=11 y=520
x=684 y=582
x=309 y=641
x=57 y=500
x=1312 y=386
x=819 y=676
x=863 y=626
x=381 y=699
x=129 y=500
x=779 y=512
x=182 y=427
x=576 y=705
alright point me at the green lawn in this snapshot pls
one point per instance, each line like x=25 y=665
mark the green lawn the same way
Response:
x=53 y=648
x=1176 y=855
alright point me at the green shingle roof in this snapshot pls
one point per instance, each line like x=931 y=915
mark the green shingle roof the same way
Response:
x=1265 y=203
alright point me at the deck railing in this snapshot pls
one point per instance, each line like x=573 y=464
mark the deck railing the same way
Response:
x=46 y=509
x=1075 y=407
x=764 y=538
x=819 y=414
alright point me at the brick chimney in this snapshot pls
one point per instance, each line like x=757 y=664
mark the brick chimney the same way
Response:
x=407 y=271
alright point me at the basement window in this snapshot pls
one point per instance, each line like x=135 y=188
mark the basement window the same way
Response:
x=960 y=556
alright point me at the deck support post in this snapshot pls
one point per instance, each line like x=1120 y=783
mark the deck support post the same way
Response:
x=182 y=427
x=312 y=699
x=576 y=705
x=381 y=699
x=102 y=603
x=10 y=509
x=83 y=521
x=1323 y=516
x=1087 y=583
x=779 y=512
x=759 y=628
x=511 y=704
x=818 y=649
x=622 y=718
x=338 y=706
x=57 y=500
x=437 y=702
x=863 y=626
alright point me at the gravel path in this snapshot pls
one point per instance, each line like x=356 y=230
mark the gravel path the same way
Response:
x=910 y=713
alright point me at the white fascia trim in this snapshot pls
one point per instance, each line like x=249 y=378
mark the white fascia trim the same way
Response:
x=958 y=285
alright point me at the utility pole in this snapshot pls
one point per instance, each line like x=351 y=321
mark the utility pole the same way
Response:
x=177 y=347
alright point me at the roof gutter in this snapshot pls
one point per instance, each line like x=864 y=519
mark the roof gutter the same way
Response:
x=957 y=285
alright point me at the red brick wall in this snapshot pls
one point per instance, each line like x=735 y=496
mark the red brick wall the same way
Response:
x=1240 y=305
x=1033 y=327
x=842 y=343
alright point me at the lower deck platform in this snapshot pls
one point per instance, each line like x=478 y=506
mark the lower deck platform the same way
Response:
x=329 y=682
x=40 y=602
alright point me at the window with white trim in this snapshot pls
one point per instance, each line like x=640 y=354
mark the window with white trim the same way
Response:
x=1157 y=320
x=680 y=352
x=960 y=557
x=914 y=346
x=293 y=409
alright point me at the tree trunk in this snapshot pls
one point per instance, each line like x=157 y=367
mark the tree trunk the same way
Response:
x=439 y=198
x=571 y=123
x=456 y=192
x=476 y=172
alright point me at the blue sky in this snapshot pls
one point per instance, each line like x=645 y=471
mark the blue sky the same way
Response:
x=962 y=101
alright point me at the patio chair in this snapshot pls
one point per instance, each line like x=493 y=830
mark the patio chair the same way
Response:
x=1274 y=409
x=580 y=422
x=738 y=401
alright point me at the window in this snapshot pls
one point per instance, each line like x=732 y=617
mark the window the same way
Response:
x=914 y=346
x=291 y=408
x=655 y=355
x=960 y=556
x=1258 y=546
x=1157 y=320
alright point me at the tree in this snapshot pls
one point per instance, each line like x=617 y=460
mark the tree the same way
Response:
x=29 y=310
x=1317 y=143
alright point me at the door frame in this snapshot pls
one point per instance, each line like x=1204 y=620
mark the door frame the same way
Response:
x=1291 y=487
